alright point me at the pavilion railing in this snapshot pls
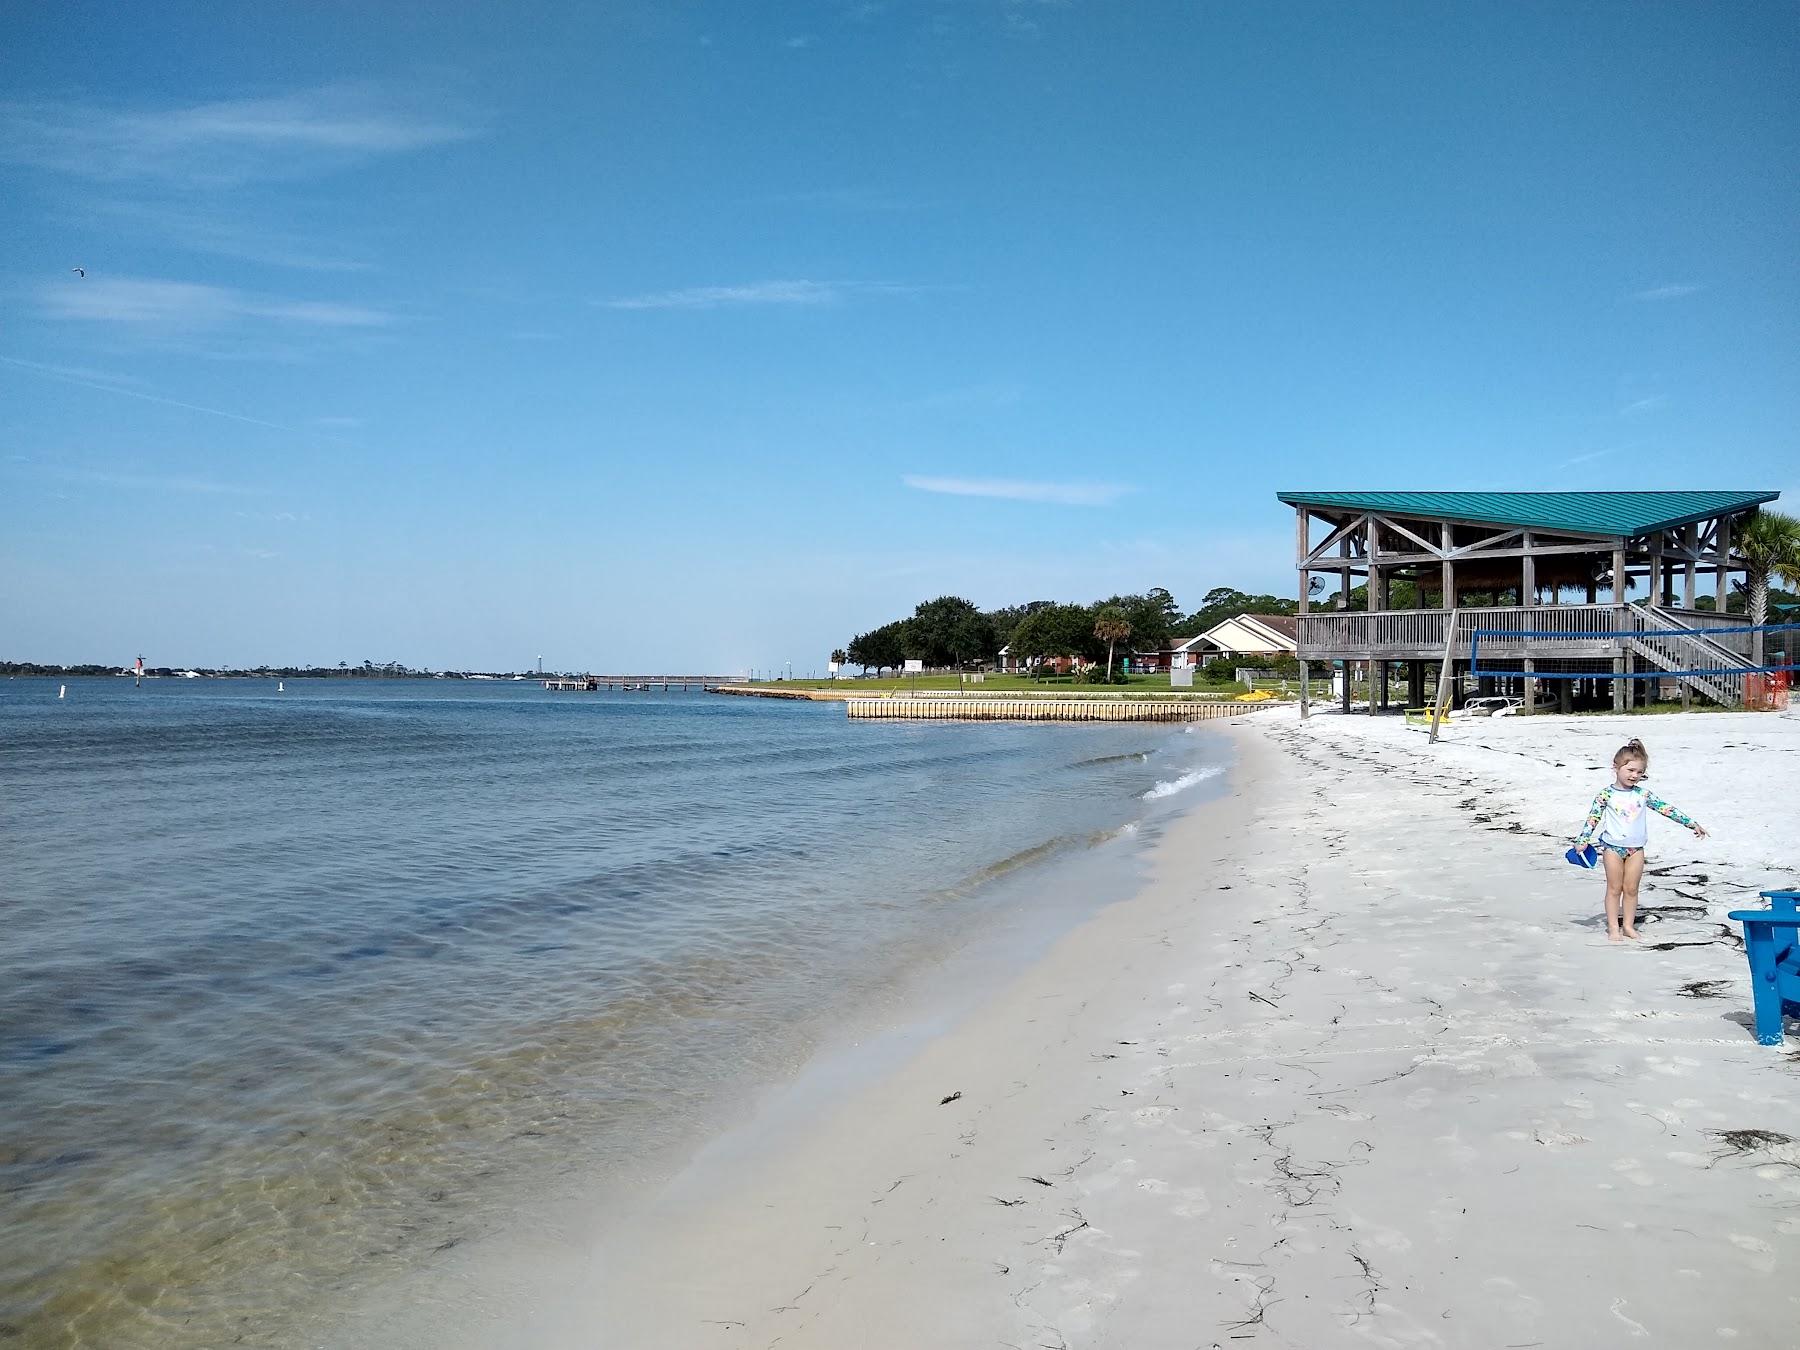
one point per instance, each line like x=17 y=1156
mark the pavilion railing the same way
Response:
x=1422 y=632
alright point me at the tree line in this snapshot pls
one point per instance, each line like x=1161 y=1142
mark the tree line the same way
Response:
x=952 y=632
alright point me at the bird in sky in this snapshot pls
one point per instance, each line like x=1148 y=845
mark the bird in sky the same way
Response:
x=79 y=271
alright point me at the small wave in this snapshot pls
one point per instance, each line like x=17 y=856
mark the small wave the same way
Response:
x=1170 y=786
x=1110 y=759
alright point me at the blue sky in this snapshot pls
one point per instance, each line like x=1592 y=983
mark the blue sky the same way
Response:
x=704 y=335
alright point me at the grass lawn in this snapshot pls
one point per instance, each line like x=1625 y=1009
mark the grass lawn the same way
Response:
x=1058 y=686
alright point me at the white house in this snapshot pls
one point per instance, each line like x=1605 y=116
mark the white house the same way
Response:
x=1247 y=635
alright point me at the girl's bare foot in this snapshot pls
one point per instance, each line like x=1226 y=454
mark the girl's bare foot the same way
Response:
x=1613 y=934
x=1632 y=933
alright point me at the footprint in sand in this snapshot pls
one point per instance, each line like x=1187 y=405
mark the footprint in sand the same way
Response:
x=1762 y=1255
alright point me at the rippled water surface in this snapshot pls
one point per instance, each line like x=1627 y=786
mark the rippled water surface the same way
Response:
x=293 y=981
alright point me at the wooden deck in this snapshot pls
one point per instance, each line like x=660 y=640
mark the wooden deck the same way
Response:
x=1592 y=632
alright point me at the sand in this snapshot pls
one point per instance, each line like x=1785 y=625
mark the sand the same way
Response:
x=1356 y=1067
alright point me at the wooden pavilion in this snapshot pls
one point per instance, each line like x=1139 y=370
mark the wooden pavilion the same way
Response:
x=1559 y=569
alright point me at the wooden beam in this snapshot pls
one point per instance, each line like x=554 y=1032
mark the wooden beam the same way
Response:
x=1722 y=558
x=1449 y=579
x=1687 y=575
x=1336 y=537
x=1398 y=528
x=1542 y=551
x=1485 y=545
x=1300 y=551
x=1528 y=575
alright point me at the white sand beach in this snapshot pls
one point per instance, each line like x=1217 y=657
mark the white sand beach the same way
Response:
x=1357 y=1067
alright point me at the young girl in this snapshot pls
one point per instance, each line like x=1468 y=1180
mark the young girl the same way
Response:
x=1619 y=823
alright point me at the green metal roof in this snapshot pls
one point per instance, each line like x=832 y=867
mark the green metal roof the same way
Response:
x=1606 y=513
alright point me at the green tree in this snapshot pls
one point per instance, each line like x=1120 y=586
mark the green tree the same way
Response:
x=1151 y=616
x=1227 y=602
x=1054 y=630
x=839 y=656
x=1111 y=626
x=1007 y=619
x=949 y=631
x=881 y=648
x=1770 y=547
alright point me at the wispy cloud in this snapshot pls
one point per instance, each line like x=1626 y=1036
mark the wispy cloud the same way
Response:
x=1674 y=292
x=106 y=386
x=85 y=374
x=751 y=293
x=801 y=42
x=189 y=305
x=1015 y=490
x=217 y=234
x=1643 y=405
x=222 y=142
x=848 y=199
x=1591 y=456
x=138 y=482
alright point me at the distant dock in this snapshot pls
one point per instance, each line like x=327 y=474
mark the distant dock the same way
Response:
x=589 y=684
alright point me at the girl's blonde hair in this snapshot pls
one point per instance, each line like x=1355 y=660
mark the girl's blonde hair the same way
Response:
x=1632 y=749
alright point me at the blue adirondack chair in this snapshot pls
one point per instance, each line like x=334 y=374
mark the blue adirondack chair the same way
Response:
x=1772 y=944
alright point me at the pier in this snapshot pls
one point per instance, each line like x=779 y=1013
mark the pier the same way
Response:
x=640 y=683
x=1044 y=710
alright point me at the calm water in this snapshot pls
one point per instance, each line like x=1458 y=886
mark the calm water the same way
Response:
x=294 y=984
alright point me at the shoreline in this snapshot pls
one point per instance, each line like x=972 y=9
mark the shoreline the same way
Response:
x=1351 y=1067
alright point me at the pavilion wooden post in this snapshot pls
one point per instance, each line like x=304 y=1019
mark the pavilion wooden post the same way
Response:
x=1528 y=596
x=1305 y=700
x=1722 y=552
x=1443 y=689
x=1687 y=577
x=1301 y=547
x=1449 y=538
x=1377 y=603
x=1620 y=688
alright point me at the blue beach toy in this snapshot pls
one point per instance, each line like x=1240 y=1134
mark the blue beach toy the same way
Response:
x=1583 y=857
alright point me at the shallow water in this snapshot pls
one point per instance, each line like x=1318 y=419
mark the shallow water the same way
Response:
x=296 y=983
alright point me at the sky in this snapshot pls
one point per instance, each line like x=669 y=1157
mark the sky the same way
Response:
x=703 y=336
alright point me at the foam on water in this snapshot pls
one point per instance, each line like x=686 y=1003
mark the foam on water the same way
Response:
x=1170 y=786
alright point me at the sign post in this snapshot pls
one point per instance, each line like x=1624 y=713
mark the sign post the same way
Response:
x=912 y=670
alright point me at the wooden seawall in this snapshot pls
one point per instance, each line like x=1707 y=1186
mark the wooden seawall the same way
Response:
x=1043 y=710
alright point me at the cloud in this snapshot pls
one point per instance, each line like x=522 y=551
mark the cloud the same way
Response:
x=1014 y=490
x=164 y=483
x=209 y=232
x=1643 y=405
x=754 y=293
x=61 y=373
x=222 y=142
x=800 y=43
x=850 y=199
x=80 y=374
x=1674 y=292
x=189 y=305
x=1591 y=456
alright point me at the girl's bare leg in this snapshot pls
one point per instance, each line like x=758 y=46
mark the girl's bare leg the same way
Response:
x=1615 y=887
x=1632 y=872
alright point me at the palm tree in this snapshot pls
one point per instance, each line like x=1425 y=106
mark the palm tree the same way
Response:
x=1110 y=626
x=1770 y=547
